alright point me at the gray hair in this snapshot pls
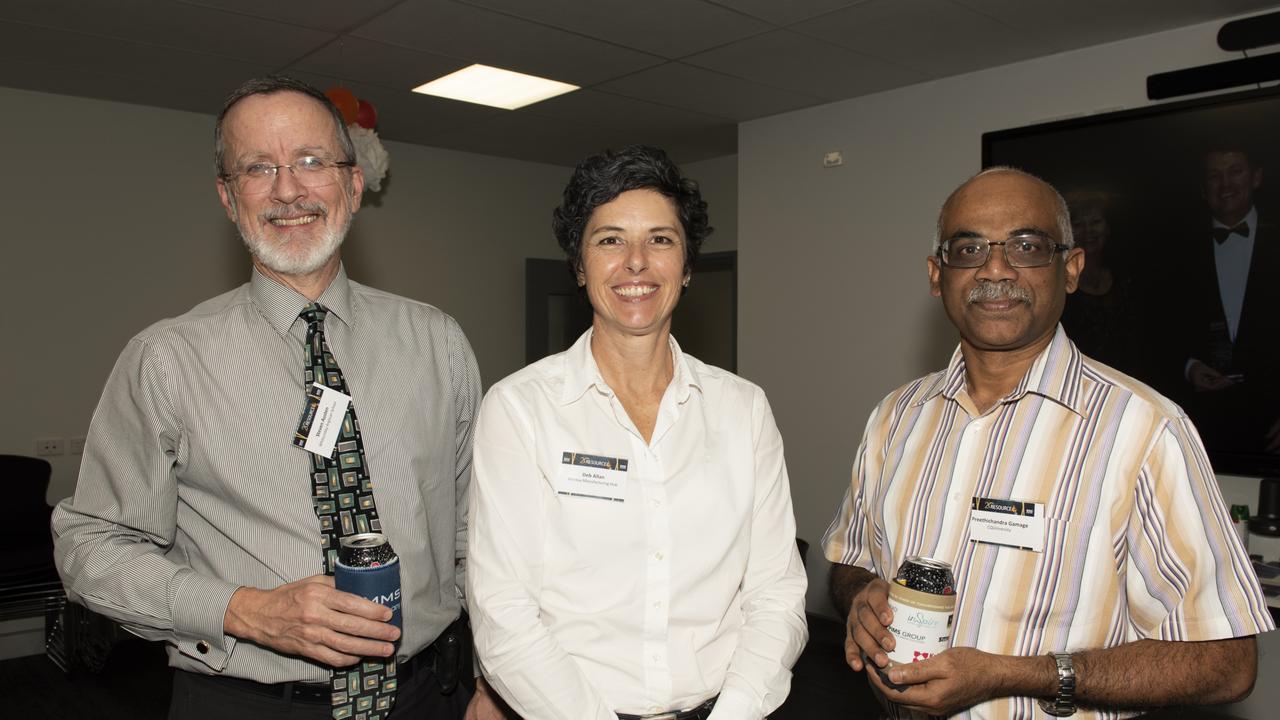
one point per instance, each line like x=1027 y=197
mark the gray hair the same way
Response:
x=1062 y=214
x=269 y=85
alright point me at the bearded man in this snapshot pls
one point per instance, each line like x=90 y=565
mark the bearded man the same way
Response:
x=211 y=501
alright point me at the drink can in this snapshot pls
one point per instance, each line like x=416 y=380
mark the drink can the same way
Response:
x=1240 y=521
x=922 y=597
x=367 y=566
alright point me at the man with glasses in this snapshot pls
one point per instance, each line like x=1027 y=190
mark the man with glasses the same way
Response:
x=210 y=502
x=1094 y=562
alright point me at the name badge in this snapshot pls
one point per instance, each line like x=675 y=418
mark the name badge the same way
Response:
x=1012 y=523
x=321 y=420
x=592 y=476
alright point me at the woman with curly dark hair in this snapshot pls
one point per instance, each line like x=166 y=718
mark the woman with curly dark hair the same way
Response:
x=632 y=546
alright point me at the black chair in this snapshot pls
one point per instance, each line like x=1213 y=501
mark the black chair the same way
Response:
x=29 y=583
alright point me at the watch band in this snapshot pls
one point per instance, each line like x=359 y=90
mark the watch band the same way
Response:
x=1063 y=705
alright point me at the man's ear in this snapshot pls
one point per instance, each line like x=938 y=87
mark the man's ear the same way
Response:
x=228 y=200
x=935 y=275
x=357 y=188
x=1073 y=264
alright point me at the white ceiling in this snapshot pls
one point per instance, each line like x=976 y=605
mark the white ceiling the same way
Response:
x=675 y=73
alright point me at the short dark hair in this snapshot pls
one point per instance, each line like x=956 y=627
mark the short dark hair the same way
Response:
x=601 y=178
x=269 y=85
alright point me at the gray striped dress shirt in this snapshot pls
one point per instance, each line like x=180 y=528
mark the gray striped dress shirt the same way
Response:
x=190 y=487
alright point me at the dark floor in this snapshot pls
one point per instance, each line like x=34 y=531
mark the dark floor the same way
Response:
x=135 y=685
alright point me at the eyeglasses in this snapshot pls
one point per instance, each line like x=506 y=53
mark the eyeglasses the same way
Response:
x=310 y=172
x=1022 y=251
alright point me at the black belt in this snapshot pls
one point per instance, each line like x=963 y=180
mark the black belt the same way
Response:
x=305 y=692
x=698 y=713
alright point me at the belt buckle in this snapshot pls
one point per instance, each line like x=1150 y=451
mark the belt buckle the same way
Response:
x=663 y=716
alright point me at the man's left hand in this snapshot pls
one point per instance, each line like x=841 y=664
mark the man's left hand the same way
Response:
x=950 y=681
x=485 y=704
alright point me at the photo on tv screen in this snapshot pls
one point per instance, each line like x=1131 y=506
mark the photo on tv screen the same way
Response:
x=1176 y=208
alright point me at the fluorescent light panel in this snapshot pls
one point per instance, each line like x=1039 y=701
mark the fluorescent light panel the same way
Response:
x=494 y=87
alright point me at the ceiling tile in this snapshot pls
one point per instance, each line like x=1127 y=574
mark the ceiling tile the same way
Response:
x=407 y=116
x=936 y=37
x=785 y=13
x=670 y=28
x=330 y=15
x=605 y=109
x=167 y=24
x=1070 y=25
x=148 y=64
x=785 y=59
x=390 y=66
x=692 y=88
x=531 y=137
x=478 y=35
x=202 y=94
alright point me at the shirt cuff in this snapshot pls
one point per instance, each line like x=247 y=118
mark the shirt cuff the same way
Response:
x=734 y=704
x=199 y=610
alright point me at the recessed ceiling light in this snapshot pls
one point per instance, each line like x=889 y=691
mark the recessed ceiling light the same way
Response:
x=494 y=87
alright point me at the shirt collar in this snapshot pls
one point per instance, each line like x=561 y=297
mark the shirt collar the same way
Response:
x=280 y=305
x=582 y=373
x=1251 y=218
x=1055 y=374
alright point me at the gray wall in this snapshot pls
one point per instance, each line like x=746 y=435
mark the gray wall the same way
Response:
x=834 y=309
x=111 y=222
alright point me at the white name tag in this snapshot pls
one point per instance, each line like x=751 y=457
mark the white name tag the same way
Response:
x=1012 y=523
x=592 y=476
x=321 y=420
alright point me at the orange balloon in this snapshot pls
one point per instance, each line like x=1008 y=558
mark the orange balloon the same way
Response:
x=345 y=101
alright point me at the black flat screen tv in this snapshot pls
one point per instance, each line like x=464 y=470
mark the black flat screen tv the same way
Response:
x=1177 y=292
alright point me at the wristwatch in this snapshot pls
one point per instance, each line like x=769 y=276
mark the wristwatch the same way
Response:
x=1064 y=704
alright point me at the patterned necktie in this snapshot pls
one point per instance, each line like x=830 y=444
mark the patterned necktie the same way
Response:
x=343 y=496
x=1221 y=234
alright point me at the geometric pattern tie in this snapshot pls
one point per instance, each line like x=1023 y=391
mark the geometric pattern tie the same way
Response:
x=343 y=496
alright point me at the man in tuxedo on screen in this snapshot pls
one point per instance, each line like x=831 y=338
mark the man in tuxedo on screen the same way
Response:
x=1231 y=324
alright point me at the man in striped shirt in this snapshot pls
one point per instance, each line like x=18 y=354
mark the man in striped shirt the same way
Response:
x=1134 y=592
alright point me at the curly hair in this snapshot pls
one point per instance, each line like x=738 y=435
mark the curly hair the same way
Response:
x=601 y=178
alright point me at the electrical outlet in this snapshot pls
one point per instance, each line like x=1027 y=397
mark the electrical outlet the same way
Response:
x=77 y=445
x=51 y=446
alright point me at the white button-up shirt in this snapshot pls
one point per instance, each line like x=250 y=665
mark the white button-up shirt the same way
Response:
x=680 y=582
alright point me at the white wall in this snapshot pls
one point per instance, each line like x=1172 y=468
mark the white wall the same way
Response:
x=834 y=309
x=111 y=222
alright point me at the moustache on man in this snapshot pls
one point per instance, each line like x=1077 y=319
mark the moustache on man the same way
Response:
x=295 y=209
x=997 y=291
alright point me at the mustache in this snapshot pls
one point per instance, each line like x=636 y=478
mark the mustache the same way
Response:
x=995 y=291
x=301 y=207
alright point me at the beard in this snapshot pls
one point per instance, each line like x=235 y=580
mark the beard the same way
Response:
x=292 y=258
x=995 y=291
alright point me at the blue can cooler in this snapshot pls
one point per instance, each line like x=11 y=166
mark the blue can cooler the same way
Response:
x=368 y=567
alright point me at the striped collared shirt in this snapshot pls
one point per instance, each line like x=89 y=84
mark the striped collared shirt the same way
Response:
x=190 y=486
x=1138 y=543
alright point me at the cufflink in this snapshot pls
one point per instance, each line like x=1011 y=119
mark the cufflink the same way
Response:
x=202 y=647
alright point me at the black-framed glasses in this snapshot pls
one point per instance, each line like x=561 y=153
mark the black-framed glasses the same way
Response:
x=310 y=171
x=1021 y=251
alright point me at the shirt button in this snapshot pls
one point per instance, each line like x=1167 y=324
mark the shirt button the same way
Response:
x=658 y=555
x=202 y=647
